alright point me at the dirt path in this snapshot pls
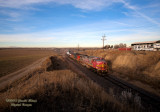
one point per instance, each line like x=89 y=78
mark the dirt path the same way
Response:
x=10 y=78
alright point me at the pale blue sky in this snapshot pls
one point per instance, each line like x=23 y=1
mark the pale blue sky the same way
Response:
x=67 y=23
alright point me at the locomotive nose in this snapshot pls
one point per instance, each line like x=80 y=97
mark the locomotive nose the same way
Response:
x=104 y=66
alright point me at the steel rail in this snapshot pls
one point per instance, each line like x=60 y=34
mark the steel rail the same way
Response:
x=146 y=97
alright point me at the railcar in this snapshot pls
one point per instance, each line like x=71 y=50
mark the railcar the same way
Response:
x=96 y=63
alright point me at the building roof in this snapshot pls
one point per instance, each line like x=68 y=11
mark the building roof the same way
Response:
x=147 y=42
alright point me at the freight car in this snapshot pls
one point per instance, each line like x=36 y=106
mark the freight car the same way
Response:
x=95 y=63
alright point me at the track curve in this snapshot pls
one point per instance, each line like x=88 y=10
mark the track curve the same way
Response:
x=149 y=101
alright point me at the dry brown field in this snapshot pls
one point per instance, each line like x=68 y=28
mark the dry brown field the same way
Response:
x=56 y=88
x=14 y=59
x=141 y=68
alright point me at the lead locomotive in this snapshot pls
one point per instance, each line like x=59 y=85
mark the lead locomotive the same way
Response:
x=95 y=63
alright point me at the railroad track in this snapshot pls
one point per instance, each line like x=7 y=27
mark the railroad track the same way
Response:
x=148 y=100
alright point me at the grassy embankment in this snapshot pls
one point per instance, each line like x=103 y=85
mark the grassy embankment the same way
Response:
x=142 y=66
x=56 y=88
x=15 y=59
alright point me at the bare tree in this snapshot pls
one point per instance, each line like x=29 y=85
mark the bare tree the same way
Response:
x=116 y=46
x=106 y=46
x=121 y=45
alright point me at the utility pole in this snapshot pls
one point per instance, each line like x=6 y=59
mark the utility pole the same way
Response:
x=103 y=39
x=78 y=47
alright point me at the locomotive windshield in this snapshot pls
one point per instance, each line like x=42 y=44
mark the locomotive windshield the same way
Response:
x=100 y=60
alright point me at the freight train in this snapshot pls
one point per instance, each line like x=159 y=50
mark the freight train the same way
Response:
x=95 y=63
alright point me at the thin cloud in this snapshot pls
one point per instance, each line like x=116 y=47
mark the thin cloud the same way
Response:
x=120 y=30
x=82 y=4
x=25 y=38
x=154 y=5
x=79 y=15
x=134 y=8
x=80 y=33
x=10 y=13
x=148 y=18
x=20 y=3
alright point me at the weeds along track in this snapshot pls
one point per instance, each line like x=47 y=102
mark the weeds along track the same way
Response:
x=122 y=89
x=147 y=99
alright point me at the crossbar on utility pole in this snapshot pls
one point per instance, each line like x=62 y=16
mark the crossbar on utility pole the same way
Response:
x=103 y=39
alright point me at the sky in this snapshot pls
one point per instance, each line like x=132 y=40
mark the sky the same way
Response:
x=67 y=23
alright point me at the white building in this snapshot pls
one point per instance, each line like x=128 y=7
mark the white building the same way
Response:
x=147 y=46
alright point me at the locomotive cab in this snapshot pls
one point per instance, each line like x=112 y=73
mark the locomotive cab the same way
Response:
x=100 y=64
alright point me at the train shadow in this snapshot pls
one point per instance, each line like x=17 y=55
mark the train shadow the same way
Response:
x=56 y=64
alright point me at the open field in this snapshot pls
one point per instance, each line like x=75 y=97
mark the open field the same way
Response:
x=14 y=59
x=56 y=88
x=139 y=67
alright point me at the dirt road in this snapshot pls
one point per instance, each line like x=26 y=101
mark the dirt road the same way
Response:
x=10 y=78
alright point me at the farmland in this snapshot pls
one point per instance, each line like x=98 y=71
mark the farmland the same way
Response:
x=62 y=84
x=14 y=59
x=57 y=88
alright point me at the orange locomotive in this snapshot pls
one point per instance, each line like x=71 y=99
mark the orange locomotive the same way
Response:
x=96 y=63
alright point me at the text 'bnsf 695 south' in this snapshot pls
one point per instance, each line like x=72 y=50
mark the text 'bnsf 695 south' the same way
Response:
x=95 y=63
